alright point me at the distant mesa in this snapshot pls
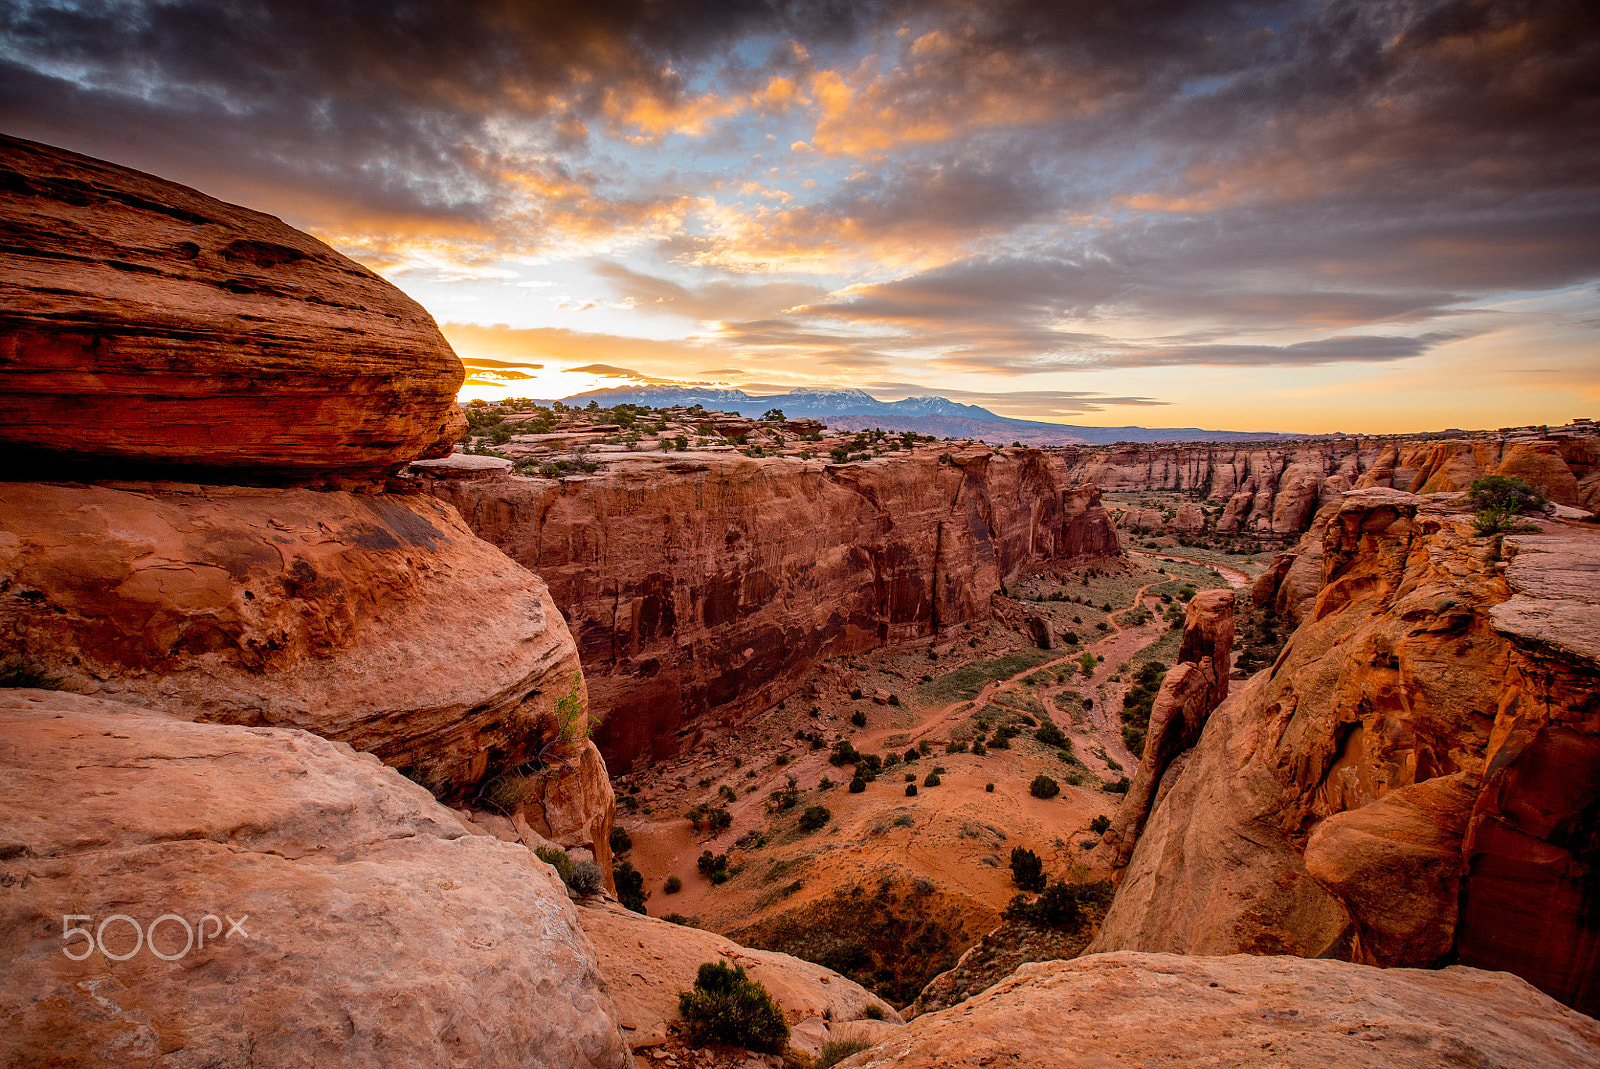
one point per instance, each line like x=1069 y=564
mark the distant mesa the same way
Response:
x=852 y=410
x=148 y=328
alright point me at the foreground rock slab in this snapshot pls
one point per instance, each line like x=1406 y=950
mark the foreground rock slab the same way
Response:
x=374 y=930
x=1290 y=1013
x=647 y=961
x=147 y=325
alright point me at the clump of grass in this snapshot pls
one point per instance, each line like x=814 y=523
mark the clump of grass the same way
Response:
x=835 y=1051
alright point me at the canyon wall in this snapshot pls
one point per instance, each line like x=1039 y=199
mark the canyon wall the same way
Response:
x=711 y=583
x=1415 y=780
x=1276 y=489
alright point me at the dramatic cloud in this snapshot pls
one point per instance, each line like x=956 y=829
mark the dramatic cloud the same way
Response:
x=1160 y=194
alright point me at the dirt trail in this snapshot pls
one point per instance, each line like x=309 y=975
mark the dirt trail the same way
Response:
x=1236 y=579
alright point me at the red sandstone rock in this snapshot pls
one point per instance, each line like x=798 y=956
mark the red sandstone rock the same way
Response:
x=1433 y=730
x=1158 y=1009
x=146 y=324
x=1197 y=684
x=712 y=584
x=377 y=620
x=375 y=932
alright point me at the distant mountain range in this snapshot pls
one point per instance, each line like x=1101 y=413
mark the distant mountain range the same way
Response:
x=855 y=410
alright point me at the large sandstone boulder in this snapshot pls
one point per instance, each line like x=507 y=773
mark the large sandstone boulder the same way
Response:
x=1288 y=1013
x=647 y=961
x=1416 y=778
x=377 y=620
x=145 y=325
x=373 y=930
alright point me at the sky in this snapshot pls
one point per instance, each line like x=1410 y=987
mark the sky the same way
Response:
x=1291 y=216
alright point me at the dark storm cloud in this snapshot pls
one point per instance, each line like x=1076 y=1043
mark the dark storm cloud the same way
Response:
x=350 y=101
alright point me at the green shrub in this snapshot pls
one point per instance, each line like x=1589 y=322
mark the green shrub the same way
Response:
x=1099 y=824
x=872 y=1012
x=1061 y=905
x=1027 y=870
x=554 y=855
x=728 y=1007
x=1497 y=501
x=1119 y=786
x=672 y=886
x=989 y=787
x=859 y=718
x=713 y=867
x=911 y=790
x=1086 y=663
x=894 y=699
x=814 y=817
x=1044 y=787
x=931 y=780
x=858 y=785
x=621 y=841
x=630 y=886
x=912 y=755
x=1051 y=735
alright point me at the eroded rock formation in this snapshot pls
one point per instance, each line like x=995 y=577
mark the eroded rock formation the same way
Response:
x=374 y=930
x=1418 y=775
x=713 y=583
x=379 y=620
x=1289 y=1013
x=1193 y=687
x=144 y=325
x=1277 y=489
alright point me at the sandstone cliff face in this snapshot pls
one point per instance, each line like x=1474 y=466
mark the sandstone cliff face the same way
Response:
x=1418 y=775
x=1277 y=489
x=146 y=325
x=1197 y=684
x=374 y=931
x=1158 y=1009
x=377 y=620
x=701 y=584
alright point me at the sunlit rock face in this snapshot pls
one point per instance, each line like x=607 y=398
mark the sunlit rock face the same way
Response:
x=373 y=930
x=1416 y=779
x=145 y=326
x=379 y=620
x=1162 y=1009
x=709 y=584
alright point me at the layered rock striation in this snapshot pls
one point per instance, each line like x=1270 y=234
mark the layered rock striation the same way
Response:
x=711 y=584
x=372 y=929
x=147 y=327
x=1416 y=779
x=1276 y=489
